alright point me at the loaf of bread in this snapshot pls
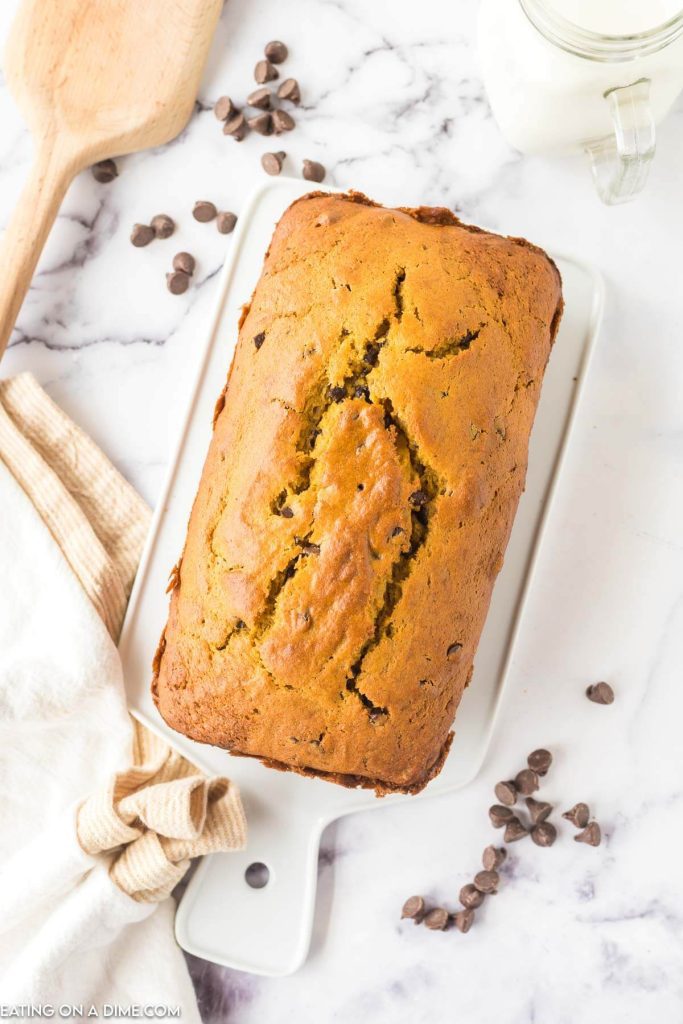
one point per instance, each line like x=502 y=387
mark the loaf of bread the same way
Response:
x=368 y=454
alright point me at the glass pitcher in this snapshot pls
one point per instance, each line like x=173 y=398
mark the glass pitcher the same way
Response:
x=596 y=75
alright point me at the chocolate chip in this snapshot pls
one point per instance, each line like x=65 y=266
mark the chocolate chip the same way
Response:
x=414 y=908
x=418 y=499
x=600 y=693
x=506 y=792
x=453 y=650
x=225 y=222
x=178 y=282
x=362 y=391
x=500 y=815
x=259 y=339
x=309 y=549
x=224 y=108
x=313 y=171
x=204 y=211
x=337 y=394
x=184 y=261
x=105 y=171
x=265 y=71
x=463 y=920
x=261 y=99
x=437 y=919
x=370 y=355
x=526 y=781
x=539 y=810
x=275 y=51
x=514 y=830
x=493 y=857
x=486 y=881
x=289 y=90
x=540 y=761
x=282 y=122
x=397 y=530
x=236 y=126
x=544 y=834
x=262 y=123
x=590 y=834
x=272 y=162
x=286 y=512
x=470 y=896
x=579 y=815
x=141 y=235
x=162 y=225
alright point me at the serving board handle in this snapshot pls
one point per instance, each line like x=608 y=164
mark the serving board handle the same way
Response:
x=263 y=930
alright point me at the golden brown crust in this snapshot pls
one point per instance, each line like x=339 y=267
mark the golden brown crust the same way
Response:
x=369 y=451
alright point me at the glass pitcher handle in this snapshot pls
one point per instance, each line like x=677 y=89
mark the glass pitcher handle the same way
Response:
x=621 y=162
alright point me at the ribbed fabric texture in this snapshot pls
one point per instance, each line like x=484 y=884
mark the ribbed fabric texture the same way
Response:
x=161 y=812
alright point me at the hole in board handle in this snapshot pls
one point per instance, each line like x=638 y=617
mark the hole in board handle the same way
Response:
x=257 y=875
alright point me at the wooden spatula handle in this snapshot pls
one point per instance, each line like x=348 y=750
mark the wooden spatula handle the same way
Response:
x=27 y=231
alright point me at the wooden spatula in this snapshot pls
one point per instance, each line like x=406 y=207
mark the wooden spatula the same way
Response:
x=94 y=79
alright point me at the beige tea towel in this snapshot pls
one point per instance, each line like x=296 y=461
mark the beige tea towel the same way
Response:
x=99 y=818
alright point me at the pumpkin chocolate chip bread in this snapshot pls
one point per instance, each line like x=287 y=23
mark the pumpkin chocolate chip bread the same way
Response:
x=368 y=454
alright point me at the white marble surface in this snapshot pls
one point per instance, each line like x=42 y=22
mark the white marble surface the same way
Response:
x=393 y=105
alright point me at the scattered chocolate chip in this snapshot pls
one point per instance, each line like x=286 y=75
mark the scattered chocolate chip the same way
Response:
x=579 y=815
x=526 y=781
x=236 y=126
x=282 y=122
x=286 y=512
x=272 y=162
x=313 y=171
x=471 y=897
x=486 y=881
x=539 y=810
x=453 y=650
x=104 y=171
x=225 y=222
x=141 y=235
x=437 y=919
x=463 y=920
x=539 y=761
x=204 y=211
x=514 y=830
x=224 y=108
x=337 y=394
x=600 y=693
x=544 y=834
x=310 y=549
x=418 y=498
x=184 y=261
x=261 y=99
x=178 y=282
x=506 y=793
x=591 y=834
x=500 y=815
x=162 y=225
x=289 y=90
x=265 y=71
x=362 y=391
x=259 y=339
x=275 y=51
x=414 y=908
x=493 y=857
x=262 y=123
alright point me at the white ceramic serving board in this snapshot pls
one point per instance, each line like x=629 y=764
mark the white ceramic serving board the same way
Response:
x=267 y=930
